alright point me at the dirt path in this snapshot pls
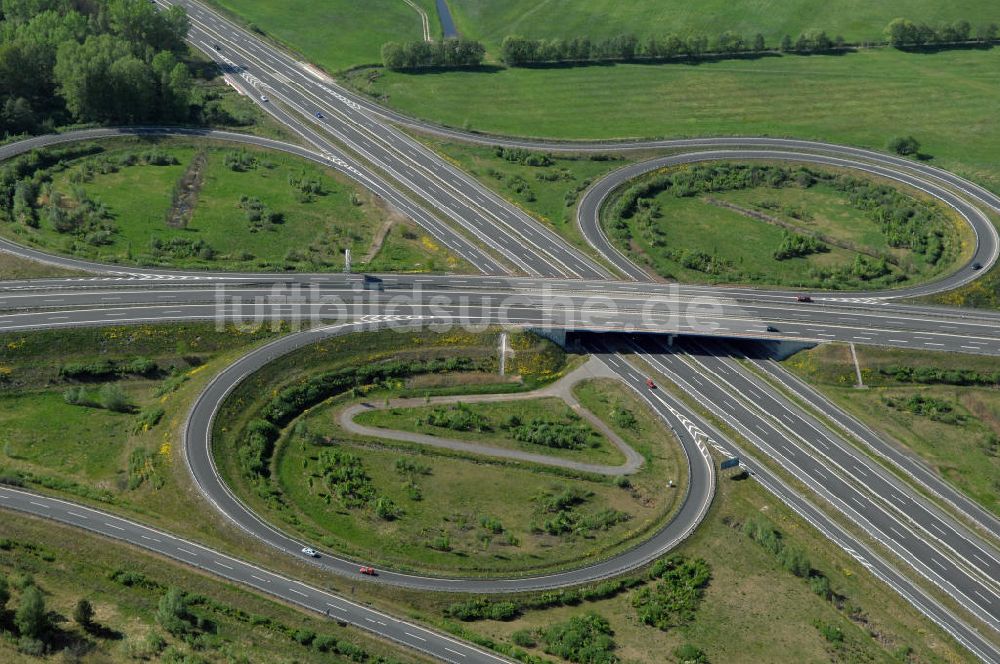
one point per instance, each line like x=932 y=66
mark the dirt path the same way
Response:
x=561 y=389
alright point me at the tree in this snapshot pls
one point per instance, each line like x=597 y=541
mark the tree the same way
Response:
x=758 y=43
x=901 y=32
x=904 y=145
x=393 y=56
x=987 y=33
x=31 y=618
x=83 y=613
x=786 y=43
x=114 y=398
x=172 y=613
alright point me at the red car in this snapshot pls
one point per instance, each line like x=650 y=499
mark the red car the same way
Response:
x=370 y=571
x=650 y=384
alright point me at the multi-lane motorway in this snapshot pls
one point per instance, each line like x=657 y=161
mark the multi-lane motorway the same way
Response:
x=533 y=278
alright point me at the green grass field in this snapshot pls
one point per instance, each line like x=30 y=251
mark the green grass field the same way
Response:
x=855 y=20
x=335 y=34
x=743 y=244
x=964 y=453
x=311 y=233
x=495 y=415
x=946 y=100
x=68 y=564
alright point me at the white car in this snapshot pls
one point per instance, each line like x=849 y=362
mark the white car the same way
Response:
x=310 y=552
x=264 y=98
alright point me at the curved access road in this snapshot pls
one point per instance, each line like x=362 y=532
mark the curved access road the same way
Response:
x=985 y=252
x=198 y=453
x=346 y=165
x=987 y=240
x=562 y=389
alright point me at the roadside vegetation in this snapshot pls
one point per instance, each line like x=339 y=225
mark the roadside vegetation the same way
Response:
x=782 y=225
x=945 y=407
x=75 y=597
x=545 y=425
x=15 y=267
x=413 y=507
x=782 y=592
x=204 y=205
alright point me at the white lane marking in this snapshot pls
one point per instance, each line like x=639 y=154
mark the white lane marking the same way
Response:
x=259 y=578
x=221 y=564
x=153 y=539
x=975 y=591
x=42 y=505
x=190 y=553
x=334 y=606
x=418 y=638
x=454 y=651
x=898 y=534
x=79 y=516
x=111 y=525
x=938 y=563
x=298 y=592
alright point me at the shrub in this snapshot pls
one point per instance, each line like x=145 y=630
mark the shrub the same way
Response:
x=689 y=654
x=673 y=600
x=113 y=398
x=83 y=613
x=904 y=145
x=584 y=639
x=31 y=618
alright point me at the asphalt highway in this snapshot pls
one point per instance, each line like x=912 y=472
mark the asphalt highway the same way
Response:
x=332 y=605
x=873 y=561
x=327 y=119
x=562 y=289
x=844 y=471
x=471 y=300
x=899 y=458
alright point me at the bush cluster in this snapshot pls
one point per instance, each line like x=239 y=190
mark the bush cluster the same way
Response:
x=181 y=247
x=448 y=53
x=933 y=375
x=794 y=245
x=791 y=558
x=677 y=592
x=584 y=639
x=106 y=369
x=932 y=408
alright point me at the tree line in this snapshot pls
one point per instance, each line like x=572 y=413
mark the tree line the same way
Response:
x=519 y=51
x=400 y=56
x=904 y=33
x=100 y=61
x=516 y=51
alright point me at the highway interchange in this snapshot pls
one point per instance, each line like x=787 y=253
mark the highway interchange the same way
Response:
x=532 y=278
